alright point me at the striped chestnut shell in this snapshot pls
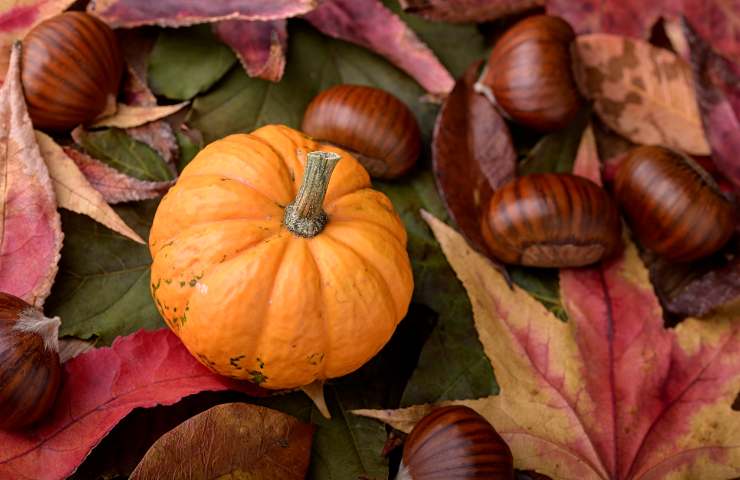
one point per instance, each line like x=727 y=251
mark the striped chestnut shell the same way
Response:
x=551 y=220
x=530 y=75
x=71 y=70
x=455 y=443
x=672 y=204
x=30 y=372
x=375 y=126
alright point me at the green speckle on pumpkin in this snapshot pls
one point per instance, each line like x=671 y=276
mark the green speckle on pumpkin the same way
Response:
x=257 y=377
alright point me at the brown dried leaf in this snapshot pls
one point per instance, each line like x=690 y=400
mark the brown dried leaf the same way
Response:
x=113 y=185
x=472 y=154
x=642 y=92
x=129 y=116
x=30 y=227
x=467 y=10
x=233 y=440
x=260 y=46
x=75 y=193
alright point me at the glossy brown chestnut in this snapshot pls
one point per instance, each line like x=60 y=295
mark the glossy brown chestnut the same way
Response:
x=71 y=69
x=530 y=75
x=29 y=363
x=373 y=124
x=551 y=220
x=673 y=205
x=455 y=443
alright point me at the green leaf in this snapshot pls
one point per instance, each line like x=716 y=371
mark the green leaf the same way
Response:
x=132 y=157
x=189 y=148
x=102 y=288
x=187 y=61
x=556 y=151
x=543 y=284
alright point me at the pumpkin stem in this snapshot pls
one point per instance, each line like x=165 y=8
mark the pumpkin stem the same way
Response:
x=305 y=216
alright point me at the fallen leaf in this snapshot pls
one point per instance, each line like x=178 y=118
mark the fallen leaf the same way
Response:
x=180 y=13
x=74 y=192
x=716 y=84
x=716 y=21
x=477 y=11
x=587 y=163
x=556 y=151
x=472 y=155
x=643 y=92
x=253 y=442
x=99 y=388
x=189 y=142
x=69 y=348
x=260 y=46
x=633 y=18
x=160 y=137
x=371 y=25
x=128 y=116
x=115 y=186
x=127 y=155
x=135 y=89
x=30 y=230
x=623 y=397
x=187 y=61
x=20 y=16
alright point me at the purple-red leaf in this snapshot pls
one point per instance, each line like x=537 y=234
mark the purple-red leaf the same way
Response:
x=30 y=228
x=260 y=46
x=178 y=13
x=467 y=10
x=113 y=185
x=160 y=136
x=717 y=84
x=99 y=388
x=633 y=18
x=371 y=25
x=717 y=21
x=472 y=154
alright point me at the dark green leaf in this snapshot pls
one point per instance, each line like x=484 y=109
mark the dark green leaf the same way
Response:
x=132 y=157
x=556 y=151
x=189 y=148
x=543 y=284
x=187 y=61
x=102 y=288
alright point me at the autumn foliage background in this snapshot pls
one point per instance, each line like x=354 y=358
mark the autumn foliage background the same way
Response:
x=635 y=363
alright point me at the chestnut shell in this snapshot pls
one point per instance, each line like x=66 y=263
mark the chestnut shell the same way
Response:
x=371 y=123
x=551 y=220
x=530 y=73
x=71 y=68
x=29 y=372
x=673 y=205
x=455 y=443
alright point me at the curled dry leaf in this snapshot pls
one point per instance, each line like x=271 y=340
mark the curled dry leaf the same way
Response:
x=467 y=10
x=472 y=154
x=74 y=192
x=99 y=388
x=252 y=442
x=179 y=13
x=623 y=397
x=633 y=18
x=113 y=185
x=371 y=25
x=642 y=92
x=260 y=46
x=717 y=84
x=129 y=116
x=20 y=16
x=30 y=228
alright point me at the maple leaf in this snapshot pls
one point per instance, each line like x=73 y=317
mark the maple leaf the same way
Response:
x=99 y=388
x=610 y=394
x=30 y=227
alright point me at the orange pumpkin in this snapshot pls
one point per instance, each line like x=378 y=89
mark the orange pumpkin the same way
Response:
x=262 y=283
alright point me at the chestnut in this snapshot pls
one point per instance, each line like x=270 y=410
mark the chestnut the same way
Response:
x=71 y=68
x=674 y=207
x=375 y=126
x=530 y=74
x=551 y=220
x=29 y=363
x=455 y=443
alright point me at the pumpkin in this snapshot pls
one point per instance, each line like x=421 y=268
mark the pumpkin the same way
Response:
x=272 y=269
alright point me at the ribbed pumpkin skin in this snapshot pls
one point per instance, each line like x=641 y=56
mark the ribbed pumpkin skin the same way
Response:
x=369 y=122
x=71 y=65
x=529 y=72
x=27 y=390
x=551 y=220
x=456 y=443
x=253 y=301
x=674 y=209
